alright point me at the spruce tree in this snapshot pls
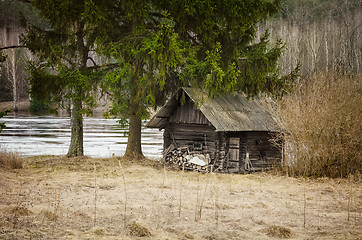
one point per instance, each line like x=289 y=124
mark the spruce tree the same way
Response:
x=64 y=69
x=147 y=50
x=209 y=44
x=156 y=47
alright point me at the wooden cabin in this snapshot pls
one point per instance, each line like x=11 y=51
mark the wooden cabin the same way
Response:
x=229 y=132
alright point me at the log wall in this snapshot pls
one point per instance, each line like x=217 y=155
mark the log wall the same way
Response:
x=188 y=113
x=188 y=127
x=262 y=153
x=195 y=136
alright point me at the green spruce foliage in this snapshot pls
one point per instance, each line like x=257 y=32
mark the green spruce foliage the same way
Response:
x=2 y=57
x=4 y=93
x=65 y=70
x=209 y=44
x=148 y=52
x=226 y=55
x=2 y=114
x=154 y=47
x=41 y=107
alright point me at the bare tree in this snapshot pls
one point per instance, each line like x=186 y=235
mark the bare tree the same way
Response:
x=13 y=78
x=322 y=35
x=14 y=68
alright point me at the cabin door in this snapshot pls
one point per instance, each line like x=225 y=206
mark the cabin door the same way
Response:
x=234 y=149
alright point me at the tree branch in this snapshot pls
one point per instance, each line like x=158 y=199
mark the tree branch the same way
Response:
x=15 y=46
x=94 y=63
x=110 y=66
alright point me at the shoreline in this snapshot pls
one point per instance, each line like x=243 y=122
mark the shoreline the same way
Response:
x=24 y=104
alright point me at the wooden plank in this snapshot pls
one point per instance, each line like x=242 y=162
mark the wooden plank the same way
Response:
x=233 y=170
x=187 y=113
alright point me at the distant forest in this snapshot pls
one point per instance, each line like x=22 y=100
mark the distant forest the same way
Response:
x=323 y=35
x=320 y=35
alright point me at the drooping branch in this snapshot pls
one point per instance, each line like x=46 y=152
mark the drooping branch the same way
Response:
x=107 y=66
x=11 y=47
x=92 y=60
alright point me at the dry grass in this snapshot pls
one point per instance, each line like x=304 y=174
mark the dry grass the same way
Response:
x=47 y=215
x=23 y=105
x=279 y=232
x=322 y=122
x=9 y=160
x=137 y=229
x=53 y=198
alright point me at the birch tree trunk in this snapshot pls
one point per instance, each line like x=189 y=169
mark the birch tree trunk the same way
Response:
x=326 y=34
x=321 y=42
x=13 y=79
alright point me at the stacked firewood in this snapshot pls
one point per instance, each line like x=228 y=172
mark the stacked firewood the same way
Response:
x=185 y=159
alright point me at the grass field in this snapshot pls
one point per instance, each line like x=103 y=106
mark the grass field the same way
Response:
x=115 y=198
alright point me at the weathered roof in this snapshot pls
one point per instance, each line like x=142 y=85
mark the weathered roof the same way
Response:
x=228 y=112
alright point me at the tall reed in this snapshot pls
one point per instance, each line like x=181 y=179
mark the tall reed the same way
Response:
x=10 y=160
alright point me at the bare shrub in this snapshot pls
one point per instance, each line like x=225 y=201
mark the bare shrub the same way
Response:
x=280 y=232
x=47 y=215
x=20 y=211
x=10 y=160
x=322 y=123
x=136 y=229
x=99 y=231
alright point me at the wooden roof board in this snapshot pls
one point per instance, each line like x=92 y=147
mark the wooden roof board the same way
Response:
x=167 y=109
x=156 y=122
x=228 y=112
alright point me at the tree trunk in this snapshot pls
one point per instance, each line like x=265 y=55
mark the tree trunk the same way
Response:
x=134 y=138
x=76 y=142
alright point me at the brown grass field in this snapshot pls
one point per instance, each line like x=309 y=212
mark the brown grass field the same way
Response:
x=85 y=198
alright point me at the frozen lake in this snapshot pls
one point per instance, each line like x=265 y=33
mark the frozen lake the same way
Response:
x=50 y=135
